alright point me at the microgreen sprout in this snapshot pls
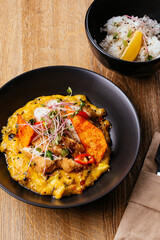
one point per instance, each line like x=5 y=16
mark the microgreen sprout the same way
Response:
x=69 y=91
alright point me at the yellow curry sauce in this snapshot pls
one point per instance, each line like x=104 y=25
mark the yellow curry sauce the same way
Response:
x=59 y=183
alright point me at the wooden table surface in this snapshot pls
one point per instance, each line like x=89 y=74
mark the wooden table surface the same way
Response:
x=36 y=33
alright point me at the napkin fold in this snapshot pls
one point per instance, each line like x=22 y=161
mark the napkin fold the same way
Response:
x=141 y=219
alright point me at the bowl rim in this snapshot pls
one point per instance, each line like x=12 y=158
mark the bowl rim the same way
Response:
x=101 y=50
x=115 y=186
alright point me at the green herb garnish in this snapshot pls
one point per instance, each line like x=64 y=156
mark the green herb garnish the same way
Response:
x=49 y=154
x=82 y=104
x=129 y=33
x=69 y=90
x=115 y=36
x=116 y=24
x=149 y=57
x=59 y=99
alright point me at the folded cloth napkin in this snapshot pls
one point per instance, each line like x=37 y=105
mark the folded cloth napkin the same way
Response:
x=141 y=219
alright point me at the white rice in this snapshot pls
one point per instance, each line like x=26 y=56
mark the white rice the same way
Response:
x=118 y=28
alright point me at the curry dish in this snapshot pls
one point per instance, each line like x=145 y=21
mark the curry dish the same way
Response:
x=57 y=145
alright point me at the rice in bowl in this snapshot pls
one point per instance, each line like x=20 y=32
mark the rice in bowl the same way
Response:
x=121 y=29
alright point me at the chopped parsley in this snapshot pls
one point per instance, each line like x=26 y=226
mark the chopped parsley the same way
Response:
x=125 y=43
x=149 y=57
x=116 y=24
x=115 y=36
x=129 y=33
x=49 y=154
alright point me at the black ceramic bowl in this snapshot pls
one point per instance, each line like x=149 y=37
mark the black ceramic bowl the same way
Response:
x=125 y=131
x=98 y=14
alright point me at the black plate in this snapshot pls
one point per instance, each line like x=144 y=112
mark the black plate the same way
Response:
x=125 y=131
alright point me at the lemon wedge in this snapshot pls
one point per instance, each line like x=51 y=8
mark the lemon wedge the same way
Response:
x=133 y=48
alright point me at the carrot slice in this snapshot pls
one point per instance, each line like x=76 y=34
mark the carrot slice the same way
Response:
x=91 y=137
x=25 y=132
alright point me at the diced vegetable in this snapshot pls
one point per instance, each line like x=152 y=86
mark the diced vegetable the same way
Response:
x=40 y=122
x=91 y=137
x=83 y=114
x=84 y=159
x=25 y=132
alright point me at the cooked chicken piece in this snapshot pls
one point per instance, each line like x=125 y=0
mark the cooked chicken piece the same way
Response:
x=57 y=150
x=41 y=164
x=69 y=165
x=40 y=143
x=77 y=148
x=27 y=151
x=46 y=165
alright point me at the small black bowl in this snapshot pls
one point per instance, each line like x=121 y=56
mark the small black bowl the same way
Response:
x=97 y=15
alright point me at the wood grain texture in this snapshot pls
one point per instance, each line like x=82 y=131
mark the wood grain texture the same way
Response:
x=51 y=32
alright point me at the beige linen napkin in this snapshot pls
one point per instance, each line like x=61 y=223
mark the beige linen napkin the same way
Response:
x=141 y=219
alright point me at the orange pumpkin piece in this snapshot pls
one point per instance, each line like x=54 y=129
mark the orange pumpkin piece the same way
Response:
x=92 y=138
x=25 y=132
